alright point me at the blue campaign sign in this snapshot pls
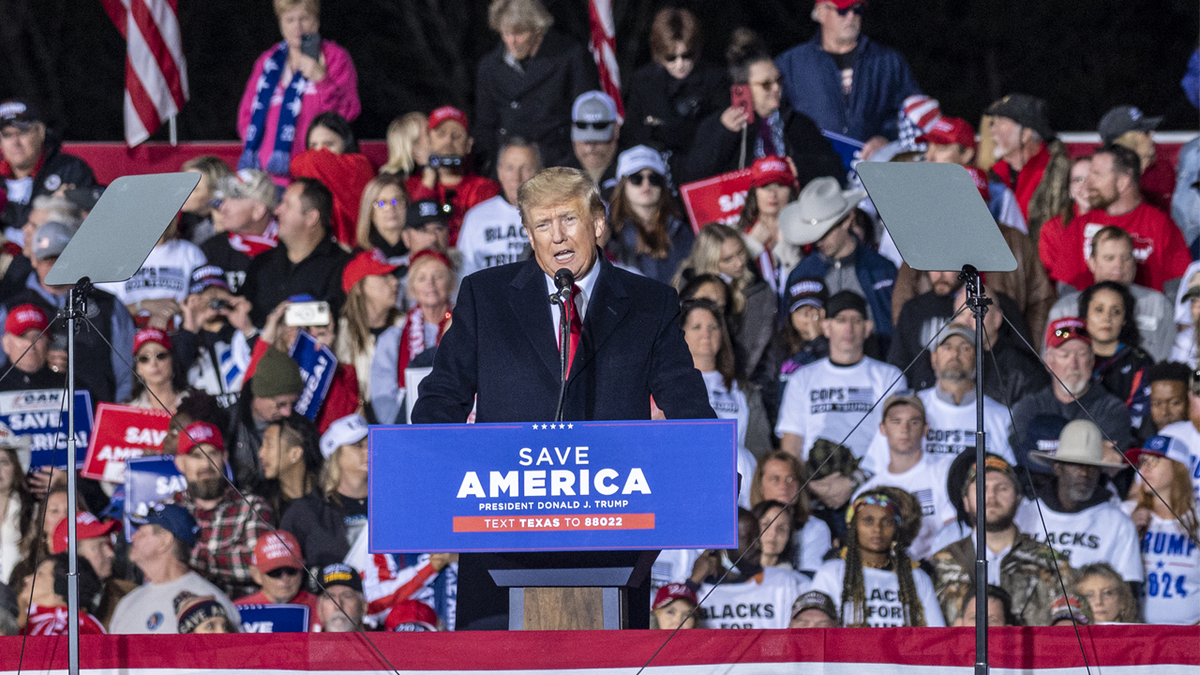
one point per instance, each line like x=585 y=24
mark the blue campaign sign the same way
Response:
x=274 y=618
x=553 y=487
x=317 y=364
x=40 y=414
x=148 y=481
x=849 y=149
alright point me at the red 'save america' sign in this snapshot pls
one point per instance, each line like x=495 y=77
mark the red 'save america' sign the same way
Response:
x=121 y=432
x=716 y=200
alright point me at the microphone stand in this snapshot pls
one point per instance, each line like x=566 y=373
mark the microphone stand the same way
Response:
x=564 y=279
x=978 y=302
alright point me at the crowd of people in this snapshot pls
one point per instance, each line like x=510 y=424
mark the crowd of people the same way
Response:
x=851 y=375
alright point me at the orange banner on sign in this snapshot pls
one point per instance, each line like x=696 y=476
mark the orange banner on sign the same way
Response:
x=554 y=523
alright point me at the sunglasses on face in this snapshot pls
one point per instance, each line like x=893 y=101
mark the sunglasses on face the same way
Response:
x=856 y=8
x=685 y=56
x=655 y=179
x=384 y=203
x=770 y=84
x=281 y=572
x=146 y=358
x=595 y=126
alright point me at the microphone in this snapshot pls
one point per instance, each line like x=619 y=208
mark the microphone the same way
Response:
x=564 y=279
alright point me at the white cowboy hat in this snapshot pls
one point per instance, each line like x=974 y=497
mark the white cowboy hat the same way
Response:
x=822 y=204
x=1079 y=443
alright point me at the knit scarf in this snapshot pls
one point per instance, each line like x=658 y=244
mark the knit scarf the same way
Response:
x=285 y=131
x=412 y=342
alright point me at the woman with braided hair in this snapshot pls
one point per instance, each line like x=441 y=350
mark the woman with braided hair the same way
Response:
x=874 y=583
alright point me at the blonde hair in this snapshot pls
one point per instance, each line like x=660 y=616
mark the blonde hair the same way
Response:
x=558 y=185
x=425 y=261
x=366 y=206
x=706 y=256
x=402 y=135
x=313 y=7
x=331 y=476
x=518 y=16
x=354 y=311
x=1180 y=497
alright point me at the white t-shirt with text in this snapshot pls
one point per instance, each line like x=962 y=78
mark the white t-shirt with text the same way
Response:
x=883 y=595
x=1171 y=593
x=823 y=400
x=764 y=601
x=491 y=235
x=1101 y=533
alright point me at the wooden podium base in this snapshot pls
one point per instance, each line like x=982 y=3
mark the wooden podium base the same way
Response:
x=566 y=608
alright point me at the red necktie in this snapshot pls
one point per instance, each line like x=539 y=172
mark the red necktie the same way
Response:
x=576 y=327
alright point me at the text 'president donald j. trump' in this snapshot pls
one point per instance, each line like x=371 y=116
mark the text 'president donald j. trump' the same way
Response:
x=501 y=351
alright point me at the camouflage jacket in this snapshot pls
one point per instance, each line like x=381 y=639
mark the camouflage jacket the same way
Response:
x=1026 y=572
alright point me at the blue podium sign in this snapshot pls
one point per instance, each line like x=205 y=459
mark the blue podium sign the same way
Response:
x=570 y=486
x=274 y=618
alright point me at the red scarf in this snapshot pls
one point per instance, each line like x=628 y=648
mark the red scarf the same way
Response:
x=412 y=339
x=6 y=170
x=254 y=244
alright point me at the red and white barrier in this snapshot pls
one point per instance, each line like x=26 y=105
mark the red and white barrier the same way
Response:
x=1109 y=650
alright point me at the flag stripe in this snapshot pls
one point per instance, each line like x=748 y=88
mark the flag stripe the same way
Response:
x=603 y=46
x=156 y=85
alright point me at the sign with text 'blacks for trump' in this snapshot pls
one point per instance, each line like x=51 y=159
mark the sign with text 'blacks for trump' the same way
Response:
x=565 y=486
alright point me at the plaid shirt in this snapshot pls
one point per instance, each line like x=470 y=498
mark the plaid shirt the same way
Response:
x=225 y=542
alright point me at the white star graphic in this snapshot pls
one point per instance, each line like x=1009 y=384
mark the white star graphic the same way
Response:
x=535 y=426
x=296 y=105
x=268 y=66
x=543 y=426
x=261 y=84
x=570 y=426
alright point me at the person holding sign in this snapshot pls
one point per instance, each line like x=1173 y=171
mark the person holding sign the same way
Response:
x=876 y=584
x=501 y=355
x=278 y=566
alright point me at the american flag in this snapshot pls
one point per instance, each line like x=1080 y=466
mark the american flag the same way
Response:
x=603 y=46
x=156 y=84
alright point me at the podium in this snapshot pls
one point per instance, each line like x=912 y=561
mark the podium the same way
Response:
x=559 y=524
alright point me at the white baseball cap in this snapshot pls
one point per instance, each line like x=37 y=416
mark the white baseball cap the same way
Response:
x=637 y=158
x=344 y=431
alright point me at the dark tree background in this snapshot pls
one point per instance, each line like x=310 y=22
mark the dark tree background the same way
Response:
x=1083 y=57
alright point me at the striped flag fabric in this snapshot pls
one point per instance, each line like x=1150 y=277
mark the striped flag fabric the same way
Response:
x=156 y=84
x=603 y=46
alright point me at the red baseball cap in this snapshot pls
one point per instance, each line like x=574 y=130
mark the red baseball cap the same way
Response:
x=771 y=169
x=430 y=253
x=24 y=318
x=154 y=335
x=87 y=526
x=842 y=4
x=411 y=616
x=276 y=549
x=671 y=592
x=981 y=182
x=1067 y=328
x=947 y=130
x=447 y=112
x=200 y=432
x=363 y=265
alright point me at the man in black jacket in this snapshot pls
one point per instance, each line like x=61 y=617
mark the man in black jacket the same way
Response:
x=307 y=261
x=33 y=164
x=525 y=86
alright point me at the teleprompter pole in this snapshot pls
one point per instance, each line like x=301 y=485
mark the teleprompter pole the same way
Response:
x=978 y=304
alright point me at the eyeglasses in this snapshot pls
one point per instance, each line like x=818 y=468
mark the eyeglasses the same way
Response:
x=655 y=179
x=857 y=8
x=684 y=56
x=431 y=228
x=281 y=572
x=146 y=358
x=384 y=203
x=595 y=126
x=770 y=84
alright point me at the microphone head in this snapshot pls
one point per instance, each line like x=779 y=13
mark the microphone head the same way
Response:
x=564 y=278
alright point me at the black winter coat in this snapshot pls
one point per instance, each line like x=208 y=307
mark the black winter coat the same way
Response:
x=532 y=101
x=717 y=149
x=58 y=169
